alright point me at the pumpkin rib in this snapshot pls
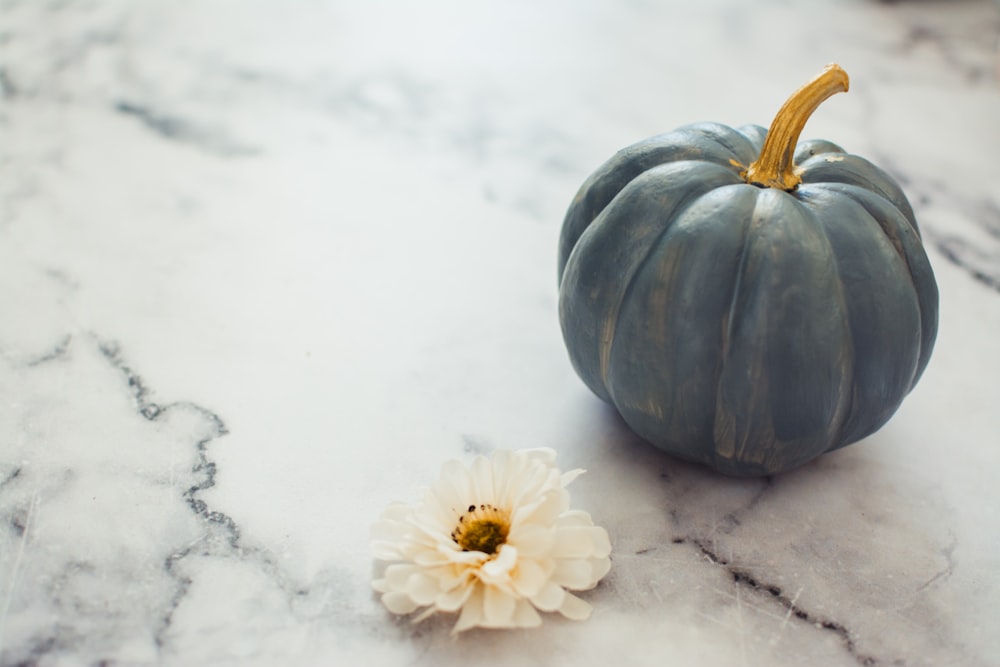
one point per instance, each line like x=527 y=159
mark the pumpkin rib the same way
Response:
x=782 y=287
x=883 y=308
x=734 y=143
x=894 y=226
x=696 y=143
x=855 y=170
x=686 y=201
x=675 y=306
x=645 y=207
x=756 y=135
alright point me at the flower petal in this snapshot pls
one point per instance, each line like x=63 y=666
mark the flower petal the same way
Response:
x=399 y=603
x=570 y=475
x=426 y=613
x=454 y=486
x=531 y=541
x=543 y=455
x=574 y=608
x=396 y=576
x=573 y=574
x=550 y=597
x=482 y=481
x=422 y=588
x=530 y=576
x=386 y=550
x=434 y=557
x=498 y=570
x=525 y=615
x=580 y=542
x=545 y=513
x=498 y=608
x=456 y=597
x=602 y=543
x=472 y=611
x=574 y=518
x=598 y=568
x=396 y=512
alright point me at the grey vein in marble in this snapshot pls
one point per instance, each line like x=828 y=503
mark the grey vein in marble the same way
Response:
x=89 y=577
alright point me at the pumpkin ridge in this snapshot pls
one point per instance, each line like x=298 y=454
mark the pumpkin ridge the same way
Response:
x=885 y=319
x=685 y=144
x=757 y=421
x=756 y=135
x=850 y=169
x=725 y=423
x=734 y=142
x=912 y=256
x=675 y=305
x=848 y=412
x=684 y=203
x=609 y=252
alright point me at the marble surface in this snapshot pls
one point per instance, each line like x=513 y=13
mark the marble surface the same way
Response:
x=265 y=266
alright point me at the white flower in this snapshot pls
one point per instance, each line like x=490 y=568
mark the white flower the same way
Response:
x=496 y=541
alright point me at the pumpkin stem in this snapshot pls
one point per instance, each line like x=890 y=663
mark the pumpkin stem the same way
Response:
x=774 y=167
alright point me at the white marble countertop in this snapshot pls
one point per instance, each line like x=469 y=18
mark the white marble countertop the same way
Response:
x=265 y=266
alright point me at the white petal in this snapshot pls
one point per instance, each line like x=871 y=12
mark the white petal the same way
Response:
x=598 y=568
x=530 y=576
x=498 y=608
x=574 y=518
x=451 y=576
x=425 y=614
x=441 y=509
x=396 y=512
x=579 y=542
x=573 y=574
x=528 y=485
x=423 y=588
x=399 y=603
x=602 y=543
x=498 y=569
x=553 y=503
x=454 y=487
x=455 y=598
x=544 y=455
x=430 y=558
x=506 y=478
x=396 y=576
x=385 y=550
x=525 y=615
x=549 y=598
x=531 y=541
x=472 y=611
x=570 y=475
x=574 y=608
x=482 y=482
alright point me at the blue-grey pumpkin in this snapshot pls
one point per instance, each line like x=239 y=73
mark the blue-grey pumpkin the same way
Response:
x=749 y=318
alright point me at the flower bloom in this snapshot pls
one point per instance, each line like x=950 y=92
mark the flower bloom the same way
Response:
x=496 y=540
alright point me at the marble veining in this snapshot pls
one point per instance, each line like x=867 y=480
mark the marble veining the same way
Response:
x=265 y=266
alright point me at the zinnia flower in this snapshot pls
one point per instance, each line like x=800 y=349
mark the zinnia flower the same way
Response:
x=496 y=540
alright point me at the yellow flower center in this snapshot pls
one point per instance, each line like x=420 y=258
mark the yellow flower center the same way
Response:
x=482 y=528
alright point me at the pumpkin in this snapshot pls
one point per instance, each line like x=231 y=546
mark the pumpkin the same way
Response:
x=744 y=300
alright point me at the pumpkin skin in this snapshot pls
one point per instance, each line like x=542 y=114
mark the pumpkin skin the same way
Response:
x=747 y=328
